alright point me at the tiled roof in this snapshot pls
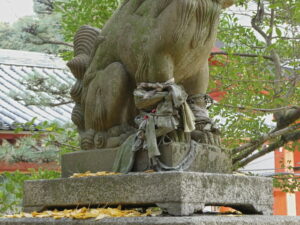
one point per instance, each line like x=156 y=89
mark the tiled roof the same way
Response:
x=15 y=66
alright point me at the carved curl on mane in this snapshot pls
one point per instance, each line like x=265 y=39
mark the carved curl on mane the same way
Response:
x=185 y=11
x=207 y=12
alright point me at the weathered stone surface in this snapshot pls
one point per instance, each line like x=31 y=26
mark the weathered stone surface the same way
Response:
x=195 y=220
x=181 y=193
x=83 y=161
x=211 y=160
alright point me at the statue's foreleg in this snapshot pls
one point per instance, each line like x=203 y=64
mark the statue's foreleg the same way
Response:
x=108 y=102
x=196 y=87
x=158 y=67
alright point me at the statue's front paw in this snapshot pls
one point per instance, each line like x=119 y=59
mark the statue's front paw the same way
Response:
x=100 y=139
x=87 y=139
x=207 y=134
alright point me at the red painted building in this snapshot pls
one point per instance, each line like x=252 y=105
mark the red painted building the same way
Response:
x=287 y=203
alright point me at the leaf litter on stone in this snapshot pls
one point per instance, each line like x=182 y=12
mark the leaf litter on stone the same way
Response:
x=101 y=173
x=89 y=213
x=89 y=174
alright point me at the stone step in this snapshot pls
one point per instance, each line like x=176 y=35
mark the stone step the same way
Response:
x=195 y=220
x=180 y=193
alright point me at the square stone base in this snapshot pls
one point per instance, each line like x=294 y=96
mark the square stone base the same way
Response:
x=180 y=193
x=195 y=220
x=209 y=159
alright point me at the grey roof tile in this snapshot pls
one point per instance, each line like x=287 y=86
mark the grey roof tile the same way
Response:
x=15 y=66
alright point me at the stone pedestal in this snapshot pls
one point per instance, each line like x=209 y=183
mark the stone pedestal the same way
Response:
x=180 y=193
x=208 y=158
x=195 y=220
x=91 y=160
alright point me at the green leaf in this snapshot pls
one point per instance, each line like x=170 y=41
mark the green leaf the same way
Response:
x=278 y=32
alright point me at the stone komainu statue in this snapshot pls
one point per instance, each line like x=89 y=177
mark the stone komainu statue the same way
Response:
x=146 y=41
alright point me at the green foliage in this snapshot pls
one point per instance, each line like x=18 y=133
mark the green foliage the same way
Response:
x=43 y=90
x=255 y=82
x=45 y=145
x=287 y=183
x=76 y=13
x=28 y=150
x=47 y=142
x=26 y=34
x=43 y=7
x=64 y=138
x=11 y=188
x=250 y=81
x=32 y=33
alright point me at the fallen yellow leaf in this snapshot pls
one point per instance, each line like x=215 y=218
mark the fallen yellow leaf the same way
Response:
x=149 y=171
x=85 y=213
x=101 y=216
x=89 y=174
x=229 y=210
x=154 y=211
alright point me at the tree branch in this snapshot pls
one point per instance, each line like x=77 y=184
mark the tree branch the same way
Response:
x=285 y=139
x=49 y=104
x=246 y=108
x=270 y=36
x=54 y=42
x=49 y=7
x=61 y=103
x=286 y=117
x=242 y=80
x=256 y=19
x=36 y=148
x=59 y=144
x=253 y=144
x=243 y=55
x=278 y=72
